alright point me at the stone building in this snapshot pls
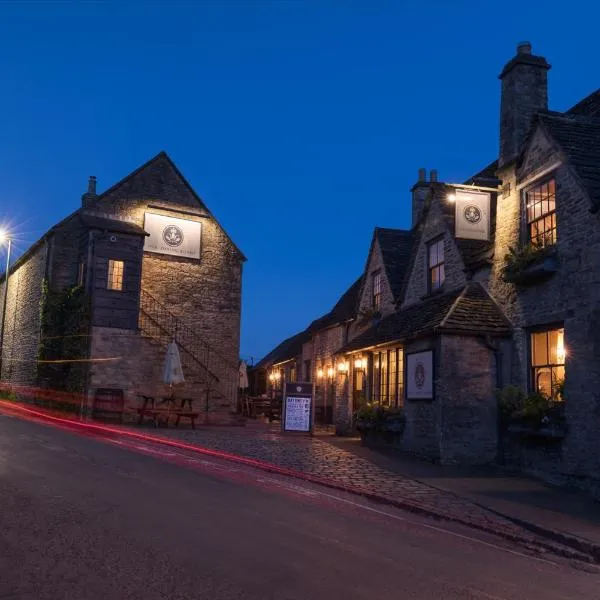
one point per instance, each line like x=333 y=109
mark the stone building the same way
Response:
x=458 y=315
x=106 y=289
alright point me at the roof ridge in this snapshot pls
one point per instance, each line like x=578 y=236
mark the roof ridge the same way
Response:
x=454 y=305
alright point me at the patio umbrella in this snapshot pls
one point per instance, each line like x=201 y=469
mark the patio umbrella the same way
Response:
x=172 y=373
x=243 y=375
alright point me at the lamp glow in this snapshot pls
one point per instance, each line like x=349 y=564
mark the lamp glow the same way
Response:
x=330 y=372
x=358 y=363
x=451 y=197
x=320 y=373
x=561 y=351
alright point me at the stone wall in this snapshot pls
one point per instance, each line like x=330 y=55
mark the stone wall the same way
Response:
x=465 y=384
x=435 y=226
x=571 y=297
x=22 y=322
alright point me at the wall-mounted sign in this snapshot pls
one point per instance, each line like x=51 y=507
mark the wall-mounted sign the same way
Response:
x=297 y=407
x=419 y=376
x=168 y=235
x=472 y=217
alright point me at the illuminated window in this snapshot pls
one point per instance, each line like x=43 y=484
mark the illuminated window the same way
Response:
x=435 y=261
x=548 y=361
x=388 y=377
x=376 y=284
x=540 y=202
x=115 y=275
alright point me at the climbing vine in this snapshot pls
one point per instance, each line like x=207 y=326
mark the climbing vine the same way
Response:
x=65 y=326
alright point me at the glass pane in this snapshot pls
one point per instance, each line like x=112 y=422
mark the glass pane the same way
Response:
x=537 y=210
x=558 y=377
x=539 y=354
x=384 y=394
x=543 y=381
x=553 y=347
x=551 y=187
x=376 y=378
x=433 y=255
x=434 y=279
x=442 y=274
x=393 y=370
x=440 y=246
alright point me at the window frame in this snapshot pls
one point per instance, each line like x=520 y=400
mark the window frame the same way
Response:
x=440 y=266
x=112 y=262
x=376 y=290
x=531 y=368
x=526 y=226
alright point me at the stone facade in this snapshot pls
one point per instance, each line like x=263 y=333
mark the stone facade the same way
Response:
x=196 y=301
x=22 y=322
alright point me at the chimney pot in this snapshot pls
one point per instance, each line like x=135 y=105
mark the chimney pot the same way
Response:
x=92 y=185
x=433 y=176
x=422 y=175
x=524 y=48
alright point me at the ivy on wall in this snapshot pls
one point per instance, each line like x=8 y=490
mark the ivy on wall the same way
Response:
x=63 y=349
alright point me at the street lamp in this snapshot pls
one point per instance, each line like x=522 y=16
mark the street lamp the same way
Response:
x=4 y=238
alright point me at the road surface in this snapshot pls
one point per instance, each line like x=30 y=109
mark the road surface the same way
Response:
x=85 y=519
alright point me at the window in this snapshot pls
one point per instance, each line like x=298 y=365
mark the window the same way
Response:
x=548 y=361
x=435 y=261
x=307 y=371
x=293 y=374
x=81 y=273
x=115 y=275
x=388 y=377
x=540 y=202
x=376 y=283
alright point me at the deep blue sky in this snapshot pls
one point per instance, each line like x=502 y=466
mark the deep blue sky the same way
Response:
x=301 y=124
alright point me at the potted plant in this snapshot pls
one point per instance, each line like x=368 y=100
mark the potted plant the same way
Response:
x=529 y=263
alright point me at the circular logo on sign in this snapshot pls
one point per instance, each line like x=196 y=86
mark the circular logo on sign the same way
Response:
x=419 y=375
x=298 y=388
x=172 y=236
x=472 y=214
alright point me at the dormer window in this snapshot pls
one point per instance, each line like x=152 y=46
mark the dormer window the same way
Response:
x=435 y=261
x=376 y=291
x=540 y=204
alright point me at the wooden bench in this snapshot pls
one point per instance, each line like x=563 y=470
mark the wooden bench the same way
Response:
x=185 y=413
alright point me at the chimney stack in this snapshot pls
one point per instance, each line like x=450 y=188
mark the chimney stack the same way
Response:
x=433 y=175
x=524 y=94
x=88 y=198
x=420 y=194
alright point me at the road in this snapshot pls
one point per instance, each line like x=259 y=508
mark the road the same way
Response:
x=85 y=519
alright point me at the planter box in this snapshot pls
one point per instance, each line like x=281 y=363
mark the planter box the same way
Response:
x=534 y=273
x=545 y=434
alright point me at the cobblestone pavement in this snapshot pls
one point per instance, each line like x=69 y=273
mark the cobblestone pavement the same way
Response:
x=316 y=457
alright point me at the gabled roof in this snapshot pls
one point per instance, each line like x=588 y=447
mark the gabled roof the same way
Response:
x=160 y=179
x=396 y=249
x=343 y=310
x=470 y=311
x=589 y=106
x=579 y=139
x=288 y=349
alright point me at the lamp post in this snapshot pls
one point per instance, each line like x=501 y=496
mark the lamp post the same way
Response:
x=4 y=237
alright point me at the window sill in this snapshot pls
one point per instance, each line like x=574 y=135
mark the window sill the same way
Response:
x=536 y=272
x=433 y=293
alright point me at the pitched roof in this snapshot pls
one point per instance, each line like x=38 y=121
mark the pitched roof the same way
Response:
x=396 y=249
x=343 y=310
x=589 y=106
x=288 y=349
x=579 y=138
x=111 y=224
x=470 y=311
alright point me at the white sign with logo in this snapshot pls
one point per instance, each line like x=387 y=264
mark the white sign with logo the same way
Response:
x=472 y=216
x=419 y=376
x=297 y=413
x=168 y=235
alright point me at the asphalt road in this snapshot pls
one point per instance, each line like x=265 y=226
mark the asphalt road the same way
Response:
x=86 y=519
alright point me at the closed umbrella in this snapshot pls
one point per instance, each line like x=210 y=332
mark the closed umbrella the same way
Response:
x=243 y=375
x=173 y=374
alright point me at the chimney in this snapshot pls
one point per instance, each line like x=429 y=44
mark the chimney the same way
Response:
x=420 y=193
x=524 y=94
x=433 y=175
x=88 y=198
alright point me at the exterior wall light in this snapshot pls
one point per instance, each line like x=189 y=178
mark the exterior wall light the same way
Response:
x=330 y=372
x=451 y=197
x=343 y=367
x=320 y=373
x=359 y=363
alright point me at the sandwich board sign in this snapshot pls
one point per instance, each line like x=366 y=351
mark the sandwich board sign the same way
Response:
x=298 y=407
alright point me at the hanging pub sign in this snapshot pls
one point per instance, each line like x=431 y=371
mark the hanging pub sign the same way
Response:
x=169 y=235
x=472 y=216
x=297 y=407
x=419 y=375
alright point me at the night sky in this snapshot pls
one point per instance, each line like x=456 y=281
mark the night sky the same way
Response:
x=301 y=124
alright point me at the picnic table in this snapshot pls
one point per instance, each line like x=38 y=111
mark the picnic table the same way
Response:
x=161 y=410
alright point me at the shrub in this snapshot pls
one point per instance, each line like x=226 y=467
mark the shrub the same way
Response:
x=518 y=259
x=378 y=417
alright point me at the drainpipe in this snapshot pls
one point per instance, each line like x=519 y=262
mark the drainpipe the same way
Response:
x=493 y=345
